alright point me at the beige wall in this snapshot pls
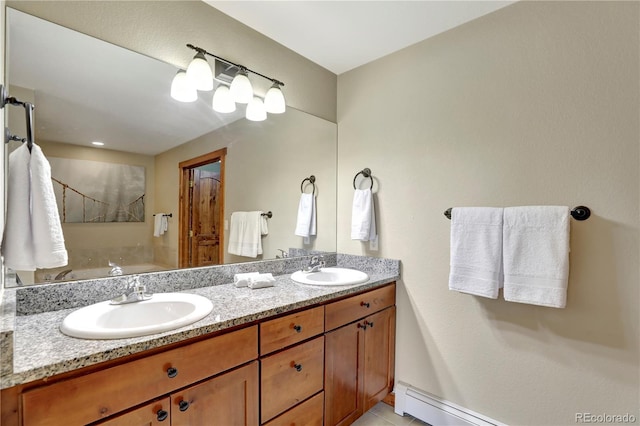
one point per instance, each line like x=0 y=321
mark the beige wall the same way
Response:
x=265 y=164
x=161 y=29
x=537 y=103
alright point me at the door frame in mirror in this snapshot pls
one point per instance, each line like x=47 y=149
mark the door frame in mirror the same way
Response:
x=184 y=238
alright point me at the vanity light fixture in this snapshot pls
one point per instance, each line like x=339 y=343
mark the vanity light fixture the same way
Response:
x=182 y=89
x=256 y=110
x=222 y=100
x=199 y=76
x=199 y=72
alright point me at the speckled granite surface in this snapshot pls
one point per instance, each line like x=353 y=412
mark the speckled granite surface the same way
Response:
x=32 y=347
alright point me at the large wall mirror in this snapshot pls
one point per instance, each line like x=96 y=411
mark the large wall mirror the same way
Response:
x=87 y=90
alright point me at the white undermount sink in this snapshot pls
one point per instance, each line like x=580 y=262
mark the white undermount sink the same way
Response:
x=330 y=276
x=163 y=312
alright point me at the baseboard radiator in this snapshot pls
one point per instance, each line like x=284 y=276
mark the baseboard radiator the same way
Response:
x=435 y=411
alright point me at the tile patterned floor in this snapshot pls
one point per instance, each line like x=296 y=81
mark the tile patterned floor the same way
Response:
x=382 y=415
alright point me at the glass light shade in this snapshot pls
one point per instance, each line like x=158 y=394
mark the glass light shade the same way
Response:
x=199 y=72
x=241 y=88
x=181 y=88
x=222 y=100
x=274 y=100
x=255 y=110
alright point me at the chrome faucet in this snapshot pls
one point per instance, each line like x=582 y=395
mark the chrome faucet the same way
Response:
x=136 y=292
x=316 y=263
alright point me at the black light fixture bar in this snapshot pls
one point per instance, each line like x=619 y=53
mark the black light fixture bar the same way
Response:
x=242 y=67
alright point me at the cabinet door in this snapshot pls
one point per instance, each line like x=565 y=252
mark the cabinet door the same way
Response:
x=344 y=359
x=153 y=414
x=228 y=399
x=379 y=344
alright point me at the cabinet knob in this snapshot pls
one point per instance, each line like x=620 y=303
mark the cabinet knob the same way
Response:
x=172 y=372
x=365 y=304
x=297 y=328
x=298 y=367
x=162 y=415
x=364 y=327
x=368 y=323
x=183 y=405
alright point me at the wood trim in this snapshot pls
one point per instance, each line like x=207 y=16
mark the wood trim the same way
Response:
x=183 y=216
x=390 y=399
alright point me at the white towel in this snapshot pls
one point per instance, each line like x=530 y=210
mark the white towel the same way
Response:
x=476 y=251
x=50 y=251
x=536 y=255
x=245 y=233
x=242 y=280
x=17 y=246
x=363 y=217
x=33 y=235
x=261 y=281
x=306 y=222
x=160 y=224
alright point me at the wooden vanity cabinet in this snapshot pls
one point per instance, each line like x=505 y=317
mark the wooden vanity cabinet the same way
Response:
x=100 y=394
x=325 y=365
x=359 y=355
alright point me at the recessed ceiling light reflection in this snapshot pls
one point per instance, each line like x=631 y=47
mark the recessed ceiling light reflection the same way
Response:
x=96 y=143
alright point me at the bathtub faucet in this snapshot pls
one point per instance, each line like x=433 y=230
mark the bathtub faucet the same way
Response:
x=115 y=270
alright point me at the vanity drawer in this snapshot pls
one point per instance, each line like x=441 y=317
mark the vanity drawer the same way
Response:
x=97 y=395
x=309 y=413
x=291 y=376
x=359 y=306
x=285 y=331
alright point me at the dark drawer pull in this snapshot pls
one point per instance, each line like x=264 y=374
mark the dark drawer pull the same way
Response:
x=364 y=327
x=365 y=304
x=183 y=405
x=298 y=367
x=297 y=328
x=172 y=372
x=162 y=415
x=368 y=323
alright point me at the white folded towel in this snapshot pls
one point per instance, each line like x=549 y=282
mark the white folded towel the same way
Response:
x=245 y=233
x=242 y=280
x=261 y=281
x=160 y=224
x=363 y=217
x=536 y=255
x=476 y=251
x=306 y=222
x=17 y=246
x=33 y=235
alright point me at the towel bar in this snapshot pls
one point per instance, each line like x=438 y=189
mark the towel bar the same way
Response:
x=267 y=214
x=578 y=213
x=366 y=172
x=166 y=215
x=311 y=179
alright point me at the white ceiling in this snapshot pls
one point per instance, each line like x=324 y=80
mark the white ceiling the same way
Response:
x=342 y=35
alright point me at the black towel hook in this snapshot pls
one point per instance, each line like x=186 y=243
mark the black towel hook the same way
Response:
x=311 y=179
x=366 y=172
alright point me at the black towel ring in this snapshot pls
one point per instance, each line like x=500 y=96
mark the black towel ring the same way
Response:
x=366 y=172
x=311 y=179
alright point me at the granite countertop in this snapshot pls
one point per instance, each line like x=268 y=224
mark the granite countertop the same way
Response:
x=38 y=349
